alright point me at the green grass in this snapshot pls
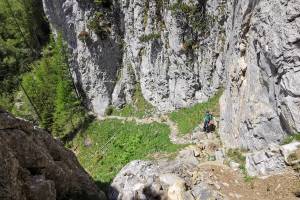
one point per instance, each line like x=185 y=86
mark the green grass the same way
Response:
x=291 y=138
x=132 y=142
x=237 y=156
x=189 y=118
x=138 y=108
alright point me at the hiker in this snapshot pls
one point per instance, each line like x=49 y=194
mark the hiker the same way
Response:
x=207 y=121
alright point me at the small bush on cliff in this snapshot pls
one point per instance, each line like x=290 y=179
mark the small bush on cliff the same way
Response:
x=149 y=37
x=83 y=36
x=195 y=15
x=100 y=25
x=291 y=138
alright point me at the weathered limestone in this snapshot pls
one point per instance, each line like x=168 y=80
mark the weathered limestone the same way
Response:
x=35 y=166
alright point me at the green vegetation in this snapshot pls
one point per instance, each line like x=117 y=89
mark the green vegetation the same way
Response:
x=149 y=37
x=139 y=107
x=23 y=32
x=132 y=142
x=103 y=3
x=237 y=156
x=100 y=25
x=83 y=36
x=291 y=138
x=51 y=89
x=195 y=15
x=189 y=118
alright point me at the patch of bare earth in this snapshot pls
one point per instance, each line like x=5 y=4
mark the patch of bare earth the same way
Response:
x=285 y=186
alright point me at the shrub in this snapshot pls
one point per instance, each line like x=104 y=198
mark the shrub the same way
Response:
x=149 y=37
x=194 y=14
x=104 y=3
x=100 y=25
x=291 y=138
x=83 y=36
x=109 y=110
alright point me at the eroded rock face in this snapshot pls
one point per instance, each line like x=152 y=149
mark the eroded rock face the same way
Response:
x=175 y=67
x=252 y=46
x=35 y=166
x=261 y=103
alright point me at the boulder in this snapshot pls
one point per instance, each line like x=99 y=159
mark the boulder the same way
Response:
x=36 y=166
x=265 y=162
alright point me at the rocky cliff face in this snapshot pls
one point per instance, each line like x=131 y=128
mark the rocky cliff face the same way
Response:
x=181 y=53
x=35 y=166
x=150 y=44
x=261 y=102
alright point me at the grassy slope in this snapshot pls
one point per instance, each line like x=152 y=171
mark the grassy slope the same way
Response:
x=132 y=142
x=189 y=118
x=139 y=108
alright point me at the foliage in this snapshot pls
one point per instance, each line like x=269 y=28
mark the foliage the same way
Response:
x=51 y=89
x=100 y=25
x=195 y=15
x=189 y=118
x=132 y=142
x=138 y=108
x=23 y=30
x=237 y=156
x=149 y=37
x=83 y=36
x=104 y=3
x=291 y=138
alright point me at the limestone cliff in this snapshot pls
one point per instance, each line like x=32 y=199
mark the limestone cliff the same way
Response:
x=35 y=166
x=181 y=52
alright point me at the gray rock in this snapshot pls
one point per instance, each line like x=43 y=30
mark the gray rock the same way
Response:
x=262 y=64
x=219 y=155
x=289 y=149
x=234 y=165
x=133 y=180
x=265 y=162
x=36 y=166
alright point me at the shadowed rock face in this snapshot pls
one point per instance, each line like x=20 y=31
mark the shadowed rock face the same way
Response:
x=36 y=166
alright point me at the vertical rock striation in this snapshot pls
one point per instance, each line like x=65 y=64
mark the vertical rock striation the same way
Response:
x=261 y=103
x=181 y=53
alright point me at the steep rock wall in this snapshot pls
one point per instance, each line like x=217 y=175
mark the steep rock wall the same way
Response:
x=261 y=103
x=252 y=46
x=175 y=67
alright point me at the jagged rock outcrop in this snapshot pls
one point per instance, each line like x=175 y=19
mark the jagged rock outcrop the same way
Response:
x=36 y=166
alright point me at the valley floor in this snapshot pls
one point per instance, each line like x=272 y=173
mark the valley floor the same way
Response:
x=195 y=157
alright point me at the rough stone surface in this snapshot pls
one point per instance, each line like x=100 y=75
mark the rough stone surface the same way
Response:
x=171 y=74
x=35 y=166
x=262 y=62
x=265 y=162
x=251 y=47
